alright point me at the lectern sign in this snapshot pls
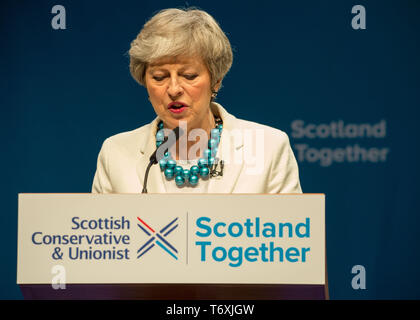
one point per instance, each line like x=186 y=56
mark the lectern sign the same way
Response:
x=168 y=238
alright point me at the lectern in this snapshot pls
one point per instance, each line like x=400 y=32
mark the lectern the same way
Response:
x=172 y=246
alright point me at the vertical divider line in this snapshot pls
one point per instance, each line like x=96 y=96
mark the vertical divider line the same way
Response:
x=187 y=239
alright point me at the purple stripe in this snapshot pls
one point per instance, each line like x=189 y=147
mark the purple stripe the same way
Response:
x=151 y=239
x=143 y=229
x=167 y=226
x=166 y=242
x=170 y=231
x=146 y=250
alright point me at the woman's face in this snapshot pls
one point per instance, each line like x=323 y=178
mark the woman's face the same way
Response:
x=180 y=90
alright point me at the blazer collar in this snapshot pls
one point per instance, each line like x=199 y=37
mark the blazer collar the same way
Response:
x=231 y=171
x=224 y=184
x=229 y=121
x=147 y=144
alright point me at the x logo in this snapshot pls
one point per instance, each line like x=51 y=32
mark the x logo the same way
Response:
x=158 y=238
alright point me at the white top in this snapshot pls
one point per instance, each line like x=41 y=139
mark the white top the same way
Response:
x=123 y=160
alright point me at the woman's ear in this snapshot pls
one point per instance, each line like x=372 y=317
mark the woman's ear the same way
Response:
x=215 y=90
x=217 y=86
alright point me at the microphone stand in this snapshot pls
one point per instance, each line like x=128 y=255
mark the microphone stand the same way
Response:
x=153 y=159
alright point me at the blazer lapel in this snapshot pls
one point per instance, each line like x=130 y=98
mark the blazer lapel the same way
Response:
x=155 y=182
x=232 y=144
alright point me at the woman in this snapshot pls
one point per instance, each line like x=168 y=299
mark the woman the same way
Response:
x=181 y=57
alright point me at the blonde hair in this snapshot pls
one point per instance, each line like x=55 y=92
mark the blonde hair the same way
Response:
x=181 y=32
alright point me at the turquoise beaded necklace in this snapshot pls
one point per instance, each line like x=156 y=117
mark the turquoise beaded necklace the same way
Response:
x=190 y=176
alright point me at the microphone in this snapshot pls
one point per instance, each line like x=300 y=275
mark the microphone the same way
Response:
x=153 y=158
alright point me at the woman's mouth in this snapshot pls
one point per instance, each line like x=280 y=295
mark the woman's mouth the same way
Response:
x=177 y=107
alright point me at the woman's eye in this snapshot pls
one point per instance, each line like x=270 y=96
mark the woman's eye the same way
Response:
x=190 y=76
x=158 y=78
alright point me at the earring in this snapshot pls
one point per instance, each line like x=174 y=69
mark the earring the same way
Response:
x=213 y=95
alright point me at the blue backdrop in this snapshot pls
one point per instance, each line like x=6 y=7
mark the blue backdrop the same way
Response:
x=64 y=91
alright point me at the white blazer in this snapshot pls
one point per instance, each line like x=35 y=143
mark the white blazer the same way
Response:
x=124 y=157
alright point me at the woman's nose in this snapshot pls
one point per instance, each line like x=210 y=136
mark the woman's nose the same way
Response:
x=174 y=88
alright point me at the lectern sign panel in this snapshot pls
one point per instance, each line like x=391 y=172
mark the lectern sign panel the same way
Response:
x=168 y=238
